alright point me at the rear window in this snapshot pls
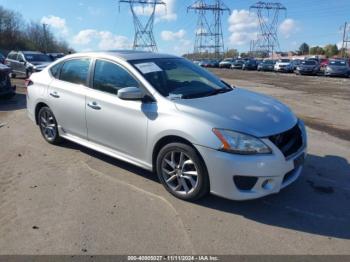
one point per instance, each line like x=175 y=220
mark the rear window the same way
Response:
x=12 y=56
x=338 y=63
x=75 y=71
x=55 y=70
x=310 y=62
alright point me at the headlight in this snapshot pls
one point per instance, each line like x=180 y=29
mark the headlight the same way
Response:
x=238 y=143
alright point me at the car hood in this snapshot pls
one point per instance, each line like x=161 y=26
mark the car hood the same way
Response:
x=39 y=63
x=283 y=64
x=241 y=111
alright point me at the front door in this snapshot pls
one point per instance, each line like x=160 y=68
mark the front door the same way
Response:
x=112 y=122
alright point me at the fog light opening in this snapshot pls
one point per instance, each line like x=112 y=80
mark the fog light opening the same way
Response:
x=267 y=184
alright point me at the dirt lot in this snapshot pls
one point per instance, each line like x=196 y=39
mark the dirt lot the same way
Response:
x=71 y=200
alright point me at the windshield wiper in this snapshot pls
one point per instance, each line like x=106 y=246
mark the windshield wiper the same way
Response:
x=211 y=93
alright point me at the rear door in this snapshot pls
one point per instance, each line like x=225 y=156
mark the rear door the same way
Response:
x=67 y=96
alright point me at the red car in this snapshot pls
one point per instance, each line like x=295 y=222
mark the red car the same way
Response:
x=324 y=62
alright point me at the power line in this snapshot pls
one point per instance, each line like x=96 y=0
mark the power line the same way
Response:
x=346 y=39
x=209 y=36
x=268 y=15
x=144 y=37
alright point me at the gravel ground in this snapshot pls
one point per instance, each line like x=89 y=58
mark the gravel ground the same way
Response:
x=71 y=200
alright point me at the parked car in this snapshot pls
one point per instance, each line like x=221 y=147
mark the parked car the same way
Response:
x=226 y=63
x=324 y=62
x=6 y=89
x=337 y=67
x=308 y=67
x=165 y=114
x=238 y=64
x=250 y=64
x=295 y=63
x=24 y=63
x=2 y=59
x=55 y=56
x=266 y=65
x=284 y=65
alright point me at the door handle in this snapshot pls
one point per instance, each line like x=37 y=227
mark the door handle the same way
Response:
x=54 y=94
x=94 y=105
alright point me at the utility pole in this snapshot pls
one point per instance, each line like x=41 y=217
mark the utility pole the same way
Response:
x=346 y=39
x=144 y=37
x=209 y=36
x=45 y=37
x=268 y=15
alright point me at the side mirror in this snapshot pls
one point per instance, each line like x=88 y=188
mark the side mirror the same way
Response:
x=131 y=93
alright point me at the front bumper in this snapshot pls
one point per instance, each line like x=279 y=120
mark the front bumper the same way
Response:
x=334 y=73
x=272 y=172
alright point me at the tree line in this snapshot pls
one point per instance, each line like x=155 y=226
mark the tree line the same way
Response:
x=330 y=50
x=16 y=34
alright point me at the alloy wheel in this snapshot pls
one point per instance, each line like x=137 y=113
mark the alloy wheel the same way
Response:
x=48 y=125
x=180 y=172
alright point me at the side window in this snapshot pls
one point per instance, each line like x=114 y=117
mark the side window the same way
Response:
x=75 y=71
x=110 y=77
x=55 y=70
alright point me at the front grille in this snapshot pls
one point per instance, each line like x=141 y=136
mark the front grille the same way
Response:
x=288 y=142
x=245 y=182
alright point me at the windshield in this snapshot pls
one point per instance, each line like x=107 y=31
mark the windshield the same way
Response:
x=309 y=62
x=37 y=58
x=337 y=63
x=284 y=60
x=268 y=62
x=178 y=78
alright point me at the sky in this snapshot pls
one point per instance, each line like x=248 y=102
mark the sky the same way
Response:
x=103 y=24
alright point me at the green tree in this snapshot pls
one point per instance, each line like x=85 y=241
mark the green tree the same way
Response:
x=231 y=53
x=331 y=50
x=304 y=49
x=15 y=33
x=316 y=50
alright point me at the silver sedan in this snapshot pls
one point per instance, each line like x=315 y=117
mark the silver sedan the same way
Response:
x=167 y=115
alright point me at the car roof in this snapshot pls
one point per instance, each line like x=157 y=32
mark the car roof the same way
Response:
x=29 y=52
x=128 y=55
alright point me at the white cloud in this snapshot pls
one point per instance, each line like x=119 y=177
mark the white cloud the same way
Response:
x=241 y=20
x=166 y=13
x=288 y=27
x=242 y=38
x=179 y=44
x=110 y=41
x=57 y=23
x=84 y=37
x=170 y=35
x=105 y=39
x=243 y=26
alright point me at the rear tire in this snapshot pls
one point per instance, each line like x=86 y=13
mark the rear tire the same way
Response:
x=48 y=126
x=182 y=172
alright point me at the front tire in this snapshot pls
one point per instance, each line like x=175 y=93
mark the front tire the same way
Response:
x=182 y=172
x=48 y=126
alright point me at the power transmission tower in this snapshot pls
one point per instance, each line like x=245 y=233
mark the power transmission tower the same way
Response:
x=209 y=36
x=346 y=39
x=144 y=37
x=268 y=15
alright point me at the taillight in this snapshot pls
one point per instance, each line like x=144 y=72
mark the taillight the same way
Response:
x=28 y=82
